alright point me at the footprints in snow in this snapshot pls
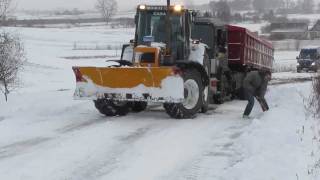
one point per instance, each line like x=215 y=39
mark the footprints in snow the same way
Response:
x=222 y=151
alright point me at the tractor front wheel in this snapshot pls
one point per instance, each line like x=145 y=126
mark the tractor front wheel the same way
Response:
x=193 y=97
x=111 y=108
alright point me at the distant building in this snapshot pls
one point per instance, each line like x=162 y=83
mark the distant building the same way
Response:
x=288 y=30
x=314 y=32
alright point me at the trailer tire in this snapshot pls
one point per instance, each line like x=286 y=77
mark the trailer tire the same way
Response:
x=240 y=93
x=218 y=99
x=137 y=106
x=193 y=97
x=110 y=108
x=298 y=70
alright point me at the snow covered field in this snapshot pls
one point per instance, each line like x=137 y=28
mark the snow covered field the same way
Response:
x=45 y=134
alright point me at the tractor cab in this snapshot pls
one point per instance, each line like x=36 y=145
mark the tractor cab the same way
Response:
x=164 y=32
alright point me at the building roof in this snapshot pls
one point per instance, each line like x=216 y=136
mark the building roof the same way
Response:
x=289 y=30
x=316 y=26
x=212 y=20
x=295 y=21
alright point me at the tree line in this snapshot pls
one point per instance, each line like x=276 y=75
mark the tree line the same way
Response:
x=223 y=9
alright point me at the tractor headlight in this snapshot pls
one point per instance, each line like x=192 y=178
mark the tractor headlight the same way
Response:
x=177 y=8
x=142 y=7
x=313 y=64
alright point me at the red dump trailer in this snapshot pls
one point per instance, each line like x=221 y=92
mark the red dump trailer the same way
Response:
x=245 y=50
x=248 y=51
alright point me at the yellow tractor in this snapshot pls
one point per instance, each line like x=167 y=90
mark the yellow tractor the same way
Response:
x=161 y=64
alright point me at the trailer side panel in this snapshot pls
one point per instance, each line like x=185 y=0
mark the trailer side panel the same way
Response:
x=247 y=50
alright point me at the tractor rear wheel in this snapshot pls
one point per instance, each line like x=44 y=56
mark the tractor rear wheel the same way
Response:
x=193 y=97
x=111 y=108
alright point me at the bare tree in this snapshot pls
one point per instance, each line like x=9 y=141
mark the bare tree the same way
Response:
x=307 y=6
x=240 y=4
x=11 y=60
x=4 y=8
x=221 y=10
x=288 y=4
x=189 y=4
x=107 y=8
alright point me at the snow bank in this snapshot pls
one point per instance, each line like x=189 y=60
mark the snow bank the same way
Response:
x=273 y=146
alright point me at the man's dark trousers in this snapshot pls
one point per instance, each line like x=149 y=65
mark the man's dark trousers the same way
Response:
x=250 y=98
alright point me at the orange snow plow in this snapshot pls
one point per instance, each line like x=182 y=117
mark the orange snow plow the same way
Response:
x=152 y=84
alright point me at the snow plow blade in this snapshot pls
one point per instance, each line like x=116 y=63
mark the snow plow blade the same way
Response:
x=151 y=84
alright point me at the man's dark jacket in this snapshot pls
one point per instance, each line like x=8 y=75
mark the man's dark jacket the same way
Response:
x=255 y=83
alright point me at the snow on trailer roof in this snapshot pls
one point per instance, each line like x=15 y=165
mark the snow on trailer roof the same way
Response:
x=254 y=35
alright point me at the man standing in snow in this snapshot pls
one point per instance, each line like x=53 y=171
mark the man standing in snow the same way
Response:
x=255 y=85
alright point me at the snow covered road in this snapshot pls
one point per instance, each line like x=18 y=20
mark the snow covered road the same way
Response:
x=45 y=134
x=67 y=139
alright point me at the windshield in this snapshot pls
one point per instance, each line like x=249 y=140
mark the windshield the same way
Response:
x=308 y=54
x=152 y=24
x=204 y=33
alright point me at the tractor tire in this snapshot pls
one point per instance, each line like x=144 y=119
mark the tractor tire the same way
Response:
x=110 y=108
x=193 y=92
x=138 y=106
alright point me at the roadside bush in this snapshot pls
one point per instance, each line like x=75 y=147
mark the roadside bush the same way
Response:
x=314 y=103
x=11 y=60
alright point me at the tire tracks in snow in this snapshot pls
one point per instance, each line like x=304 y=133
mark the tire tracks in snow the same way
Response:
x=103 y=164
x=23 y=146
x=82 y=125
x=215 y=158
x=20 y=147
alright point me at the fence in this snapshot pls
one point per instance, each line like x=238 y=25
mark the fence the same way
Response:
x=294 y=45
x=116 y=49
x=95 y=46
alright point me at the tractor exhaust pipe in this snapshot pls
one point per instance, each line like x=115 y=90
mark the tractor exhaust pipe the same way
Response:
x=168 y=31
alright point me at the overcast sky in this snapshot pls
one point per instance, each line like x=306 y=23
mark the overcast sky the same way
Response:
x=86 y=4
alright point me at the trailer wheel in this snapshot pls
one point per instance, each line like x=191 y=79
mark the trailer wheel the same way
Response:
x=138 y=106
x=111 y=108
x=298 y=70
x=193 y=93
x=218 y=99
